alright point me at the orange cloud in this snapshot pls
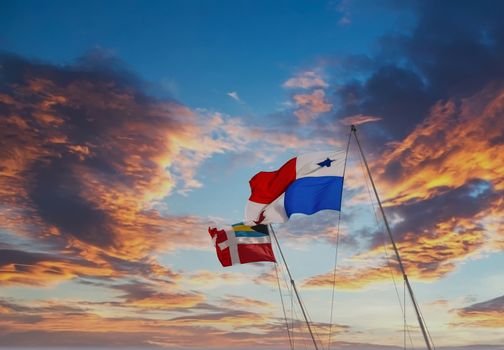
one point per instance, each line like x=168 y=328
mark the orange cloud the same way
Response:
x=119 y=324
x=487 y=314
x=70 y=164
x=305 y=80
x=21 y=267
x=426 y=256
x=455 y=144
x=218 y=328
x=168 y=300
x=85 y=154
x=348 y=278
x=311 y=105
x=214 y=278
x=158 y=296
x=267 y=277
x=359 y=119
x=236 y=301
x=235 y=318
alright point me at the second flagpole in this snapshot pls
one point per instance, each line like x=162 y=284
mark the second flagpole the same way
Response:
x=293 y=286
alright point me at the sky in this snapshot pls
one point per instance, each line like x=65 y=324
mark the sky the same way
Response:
x=128 y=128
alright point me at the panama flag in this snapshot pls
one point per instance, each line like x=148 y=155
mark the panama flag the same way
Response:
x=305 y=184
x=241 y=244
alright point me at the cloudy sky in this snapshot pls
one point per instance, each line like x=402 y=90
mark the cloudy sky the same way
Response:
x=128 y=127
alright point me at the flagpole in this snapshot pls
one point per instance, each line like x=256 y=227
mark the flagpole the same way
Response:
x=403 y=271
x=293 y=286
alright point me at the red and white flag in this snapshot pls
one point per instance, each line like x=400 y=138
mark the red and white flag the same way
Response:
x=241 y=244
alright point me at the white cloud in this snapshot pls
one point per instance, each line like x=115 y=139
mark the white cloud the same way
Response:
x=234 y=95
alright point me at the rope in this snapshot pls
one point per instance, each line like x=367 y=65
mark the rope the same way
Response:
x=283 y=307
x=336 y=251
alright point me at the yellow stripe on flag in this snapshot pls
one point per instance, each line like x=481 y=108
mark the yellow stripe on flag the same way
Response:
x=237 y=228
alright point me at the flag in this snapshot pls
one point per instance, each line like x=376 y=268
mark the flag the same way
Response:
x=305 y=184
x=241 y=244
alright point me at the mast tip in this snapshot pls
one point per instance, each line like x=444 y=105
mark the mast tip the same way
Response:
x=353 y=128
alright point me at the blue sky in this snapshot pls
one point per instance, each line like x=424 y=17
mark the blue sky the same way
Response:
x=200 y=50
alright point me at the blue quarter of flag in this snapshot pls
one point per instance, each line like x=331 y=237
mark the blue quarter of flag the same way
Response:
x=249 y=234
x=309 y=195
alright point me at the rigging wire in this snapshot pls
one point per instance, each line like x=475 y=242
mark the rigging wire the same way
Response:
x=283 y=307
x=312 y=323
x=336 y=250
x=301 y=324
x=302 y=337
x=288 y=287
x=391 y=271
x=404 y=314
x=334 y=283
x=427 y=329
x=301 y=305
x=387 y=258
x=295 y=316
x=292 y=316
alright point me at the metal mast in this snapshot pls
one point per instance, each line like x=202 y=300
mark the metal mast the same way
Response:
x=403 y=271
x=294 y=287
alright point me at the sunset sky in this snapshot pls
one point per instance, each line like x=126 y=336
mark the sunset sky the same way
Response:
x=127 y=128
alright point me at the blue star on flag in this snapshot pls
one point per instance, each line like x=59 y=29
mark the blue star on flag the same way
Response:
x=326 y=163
